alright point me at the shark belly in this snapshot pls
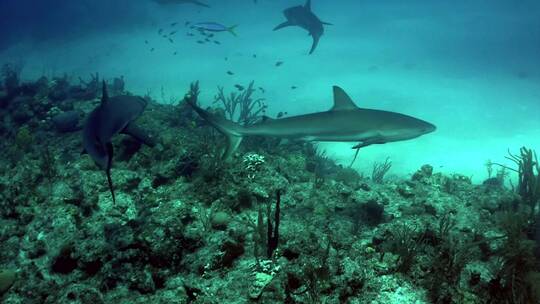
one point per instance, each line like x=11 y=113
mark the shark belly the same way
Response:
x=318 y=127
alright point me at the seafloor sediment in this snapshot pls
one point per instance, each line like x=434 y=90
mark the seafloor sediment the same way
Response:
x=280 y=223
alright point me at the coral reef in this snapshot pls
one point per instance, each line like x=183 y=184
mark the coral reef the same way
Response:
x=281 y=223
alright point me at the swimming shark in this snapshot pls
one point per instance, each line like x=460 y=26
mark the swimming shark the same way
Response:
x=303 y=17
x=344 y=122
x=199 y=3
x=114 y=115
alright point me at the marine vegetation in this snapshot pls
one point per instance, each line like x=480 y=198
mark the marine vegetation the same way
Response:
x=281 y=222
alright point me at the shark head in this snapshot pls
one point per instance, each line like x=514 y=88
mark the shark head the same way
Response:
x=405 y=127
x=377 y=126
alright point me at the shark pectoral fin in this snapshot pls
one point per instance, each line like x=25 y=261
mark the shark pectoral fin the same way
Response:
x=282 y=25
x=362 y=145
x=199 y=3
x=139 y=134
x=108 y=170
x=326 y=23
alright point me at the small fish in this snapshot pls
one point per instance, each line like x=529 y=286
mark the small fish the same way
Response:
x=230 y=73
x=279 y=63
x=239 y=87
x=200 y=42
x=190 y=34
x=210 y=35
x=165 y=36
x=215 y=27
x=262 y=90
x=175 y=53
x=172 y=33
x=281 y=114
x=207 y=40
x=226 y=58
x=254 y=56
x=186 y=23
x=217 y=42
x=146 y=42
x=174 y=23
x=171 y=41
x=152 y=49
x=294 y=87
x=160 y=31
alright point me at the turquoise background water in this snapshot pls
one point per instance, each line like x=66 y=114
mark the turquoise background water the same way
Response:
x=470 y=67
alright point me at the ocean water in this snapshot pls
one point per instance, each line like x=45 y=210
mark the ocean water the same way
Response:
x=469 y=67
x=171 y=222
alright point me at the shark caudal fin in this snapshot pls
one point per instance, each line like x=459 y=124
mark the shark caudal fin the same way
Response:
x=108 y=170
x=232 y=30
x=315 y=43
x=231 y=130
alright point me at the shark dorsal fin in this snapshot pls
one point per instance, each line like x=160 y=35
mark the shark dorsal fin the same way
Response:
x=308 y=5
x=342 y=101
x=105 y=94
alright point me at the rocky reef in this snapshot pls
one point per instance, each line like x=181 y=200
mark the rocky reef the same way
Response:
x=280 y=223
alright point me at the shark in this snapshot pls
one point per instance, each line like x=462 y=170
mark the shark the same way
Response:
x=196 y=2
x=112 y=116
x=344 y=122
x=303 y=16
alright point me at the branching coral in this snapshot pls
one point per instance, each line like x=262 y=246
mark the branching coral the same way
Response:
x=242 y=107
x=528 y=170
x=380 y=170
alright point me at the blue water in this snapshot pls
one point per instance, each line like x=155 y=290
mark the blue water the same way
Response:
x=470 y=67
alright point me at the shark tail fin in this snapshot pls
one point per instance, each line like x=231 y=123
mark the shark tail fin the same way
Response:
x=108 y=170
x=314 y=45
x=231 y=130
x=232 y=29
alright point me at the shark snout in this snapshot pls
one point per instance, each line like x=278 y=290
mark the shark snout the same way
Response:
x=429 y=128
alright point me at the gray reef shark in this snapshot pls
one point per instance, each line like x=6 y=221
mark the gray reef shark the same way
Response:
x=114 y=115
x=303 y=17
x=344 y=122
x=199 y=3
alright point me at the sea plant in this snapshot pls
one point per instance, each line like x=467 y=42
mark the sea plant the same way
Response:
x=407 y=242
x=241 y=107
x=517 y=264
x=528 y=170
x=10 y=74
x=379 y=170
x=24 y=139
